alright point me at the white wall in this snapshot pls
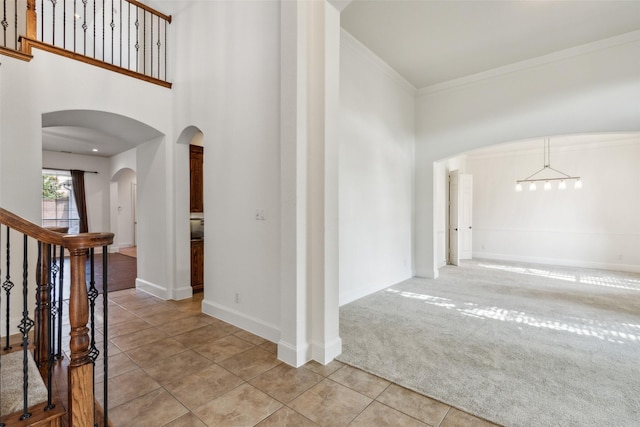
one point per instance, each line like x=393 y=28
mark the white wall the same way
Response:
x=233 y=97
x=376 y=157
x=96 y=185
x=53 y=83
x=592 y=88
x=597 y=226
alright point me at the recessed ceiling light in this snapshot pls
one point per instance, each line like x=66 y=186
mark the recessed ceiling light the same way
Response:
x=95 y=150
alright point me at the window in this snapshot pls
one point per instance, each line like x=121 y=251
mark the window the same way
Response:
x=58 y=204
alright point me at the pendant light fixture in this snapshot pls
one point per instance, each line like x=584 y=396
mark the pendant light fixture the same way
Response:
x=555 y=175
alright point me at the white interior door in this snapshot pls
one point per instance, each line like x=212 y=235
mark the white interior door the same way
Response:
x=454 y=237
x=134 y=190
x=465 y=208
x=460 y=217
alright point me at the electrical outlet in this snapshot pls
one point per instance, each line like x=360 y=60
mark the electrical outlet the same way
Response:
x=259 y=214
x=620 y=257
x=237 y=298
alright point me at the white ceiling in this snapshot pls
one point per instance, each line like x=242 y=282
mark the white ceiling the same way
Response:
x=82 y=131
x=426 y=41
x=430 y=42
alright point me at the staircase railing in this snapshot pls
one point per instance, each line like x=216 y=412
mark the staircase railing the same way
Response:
x=40 y=336
x=125 y=36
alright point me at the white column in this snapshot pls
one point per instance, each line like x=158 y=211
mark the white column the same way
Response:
x=293 y=347
x=324 y=71
x=309 y=182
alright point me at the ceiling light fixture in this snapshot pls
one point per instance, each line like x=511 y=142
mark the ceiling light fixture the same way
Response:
x=556 y=175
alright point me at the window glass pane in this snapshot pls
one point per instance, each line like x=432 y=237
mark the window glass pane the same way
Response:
x=58 y=204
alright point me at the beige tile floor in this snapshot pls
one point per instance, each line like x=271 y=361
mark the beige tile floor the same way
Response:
x=170 y=365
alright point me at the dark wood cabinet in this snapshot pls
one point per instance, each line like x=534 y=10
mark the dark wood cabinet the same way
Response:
x=196 y=162
x=197 y=265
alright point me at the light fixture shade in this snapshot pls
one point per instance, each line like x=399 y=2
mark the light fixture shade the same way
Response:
x=578 y=184
x=547 y=186
x=518 y=187
x=532 y=186
x=562 y=185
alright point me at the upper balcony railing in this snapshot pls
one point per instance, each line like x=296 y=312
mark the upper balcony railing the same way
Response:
x=122 y=35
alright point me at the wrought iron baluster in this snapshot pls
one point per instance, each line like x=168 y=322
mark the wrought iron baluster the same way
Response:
x=105 y=330
x=113 y=26
x=151 y=47
x=94 y=28
x=41 y=21
x=75 y=19
x=38 y=312
x=53 y=293
x=137 y=45
x=51 y=313
x=120 y=39
x=144 y=42
x=128 y=35
x=158 y=44
x=103 y=22
x=165 y=49
x=15 y=26
x=4 y=22
x=64 y=24
x=53 y=22
x=1 y=423
x=7 y=285
x=84 y=26
x=25 y=326
x=60 y=302
x=92 y=294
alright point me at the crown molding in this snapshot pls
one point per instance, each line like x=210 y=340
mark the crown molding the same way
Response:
x=511 y=149
x=355 y=46
x=561 y=55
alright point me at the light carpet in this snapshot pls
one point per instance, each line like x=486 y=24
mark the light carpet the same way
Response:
x=11 y=379
x=517 y=344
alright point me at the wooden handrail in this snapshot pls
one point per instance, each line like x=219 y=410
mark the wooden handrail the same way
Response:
x=51 y=237
x=29 y=43
x=151 y=10
x=80 y=379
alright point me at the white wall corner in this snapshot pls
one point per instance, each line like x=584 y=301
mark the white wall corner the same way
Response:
x=292 y=355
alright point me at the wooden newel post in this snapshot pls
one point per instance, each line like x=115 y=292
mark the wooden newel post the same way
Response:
x=81 y=399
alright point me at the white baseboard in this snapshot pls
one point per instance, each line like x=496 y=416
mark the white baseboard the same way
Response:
x=363 y=291
x=293 y=356
x=183 y=293
x=153 y=289
x=628 y=268
x=241 y=320
x=326 y=352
